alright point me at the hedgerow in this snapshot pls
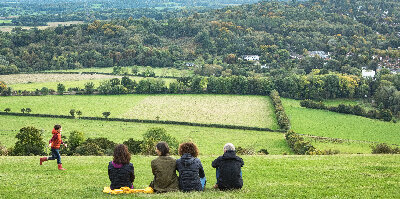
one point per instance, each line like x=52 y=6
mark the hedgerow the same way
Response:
x=282 y=118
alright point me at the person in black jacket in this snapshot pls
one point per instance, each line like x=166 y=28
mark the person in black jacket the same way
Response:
x=191 y=173
x=120 y=170
x=229 y=169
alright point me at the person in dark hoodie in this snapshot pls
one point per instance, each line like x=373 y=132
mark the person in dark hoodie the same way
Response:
x=164 y=170
x=120 y=170
x=229 y=169
x=55 y=143
x=191 y=172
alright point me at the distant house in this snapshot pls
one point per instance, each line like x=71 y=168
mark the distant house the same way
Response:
x=368 y=73
x=321 y=54
x=251 y=57
x=189 y=64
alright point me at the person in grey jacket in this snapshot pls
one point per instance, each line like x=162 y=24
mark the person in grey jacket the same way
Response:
x=229 y=169
x=191 y=173
x=164 y=170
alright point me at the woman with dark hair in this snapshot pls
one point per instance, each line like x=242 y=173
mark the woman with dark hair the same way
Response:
x=191 y=172
x=120 y=170
x=164 y=170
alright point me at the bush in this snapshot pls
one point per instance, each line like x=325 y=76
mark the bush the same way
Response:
x=89 y=88
x=245 y=151
x=298 y=144
x=106 y=145
x=30 y=142
x=45 y=91
x=89 y=149
x=134 y=146
x=60 y=88
x=384 y=148
x=281 y=116
x=3 y=150
x=155 y=135
x=263 y=151
x=75 y=139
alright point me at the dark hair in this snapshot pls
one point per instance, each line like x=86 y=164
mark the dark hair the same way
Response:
x=163 y=148
x=57 y=126
x=188 y=147
x=121 y=154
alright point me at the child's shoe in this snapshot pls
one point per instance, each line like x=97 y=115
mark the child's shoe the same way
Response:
x=44 y=159
x=60 y=167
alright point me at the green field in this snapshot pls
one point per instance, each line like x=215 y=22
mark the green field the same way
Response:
x=158 y=71
x=5 y=20
x=341 y=176
x=209 y=140
x=220 y=109
x=330 y=124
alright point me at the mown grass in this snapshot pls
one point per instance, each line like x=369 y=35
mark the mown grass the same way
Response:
x=220 y=109
x=158 y=71
x=209 y=140
x=336 y=125
x=342 y=176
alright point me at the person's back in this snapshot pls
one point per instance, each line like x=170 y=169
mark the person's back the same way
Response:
x=229 y=172
x=164 y=170
x=120 y=170
x=120 y=175
x=190 y=172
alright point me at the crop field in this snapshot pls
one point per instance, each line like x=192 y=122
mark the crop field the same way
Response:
x=209 y=140
x=251 y=111
x=277 y=176
x=49 y=24
x=158 y=71
x=335 y=125
x=58 y=78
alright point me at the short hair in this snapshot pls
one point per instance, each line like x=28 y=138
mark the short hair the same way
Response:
x=121 y=154
x=188 y=147
x=57 y=126
x=229 y=147
x=163 y=148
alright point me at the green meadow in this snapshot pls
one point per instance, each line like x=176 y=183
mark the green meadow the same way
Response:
x=335 y=125
x=238 y=110
x=272 y=176
x=209 y=140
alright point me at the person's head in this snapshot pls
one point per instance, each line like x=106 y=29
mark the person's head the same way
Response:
x=188 y=147
x=162 y=148
x=57 y=127
x=229 y=147
x=121 y=154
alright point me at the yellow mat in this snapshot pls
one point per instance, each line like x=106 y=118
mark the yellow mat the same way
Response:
x=127 y=190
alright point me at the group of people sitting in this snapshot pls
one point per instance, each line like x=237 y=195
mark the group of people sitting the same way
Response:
x=191 y=172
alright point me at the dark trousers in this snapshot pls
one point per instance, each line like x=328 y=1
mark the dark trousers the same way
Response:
x=55 y=154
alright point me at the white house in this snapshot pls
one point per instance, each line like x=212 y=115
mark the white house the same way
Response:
x=321 y=54
x=368 y=73
x=251 y=57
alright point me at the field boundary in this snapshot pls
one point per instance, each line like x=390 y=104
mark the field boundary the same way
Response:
x=146 y=121
x=101 y=73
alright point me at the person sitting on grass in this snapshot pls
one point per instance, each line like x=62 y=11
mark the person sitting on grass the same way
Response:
x=164 y=170
x=191 y=173
x=229 y=169
x=120 y=170
x=55 y=143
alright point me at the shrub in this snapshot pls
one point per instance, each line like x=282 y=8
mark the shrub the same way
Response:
x=106 y=114
x=298 y=144
x=89 y=88
x=89 y=149
x=384 y=148
x=386 y=115
x=75 y=139
x=134 y=146
x=72 y=112
x=245 y=151
x=106 y=145
x=60 y=88
x=29 y=142
x=28 y=110
x=281 y=116
x=263 y=151
x=155 y=135
x=7 y=110
x=3 y=150
x=44 y=91
x=79 y=113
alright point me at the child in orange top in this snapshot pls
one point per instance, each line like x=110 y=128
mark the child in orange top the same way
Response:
x=55 y=143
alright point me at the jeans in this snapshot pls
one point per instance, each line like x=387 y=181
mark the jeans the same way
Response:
x=55 y=154
x=203 y=182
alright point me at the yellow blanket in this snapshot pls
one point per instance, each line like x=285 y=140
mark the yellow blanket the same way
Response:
x=127 y=190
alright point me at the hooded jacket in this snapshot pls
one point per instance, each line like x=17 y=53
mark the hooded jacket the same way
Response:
x=121 y=175
x=229 y=167
x=56 y=139
x=190 y=171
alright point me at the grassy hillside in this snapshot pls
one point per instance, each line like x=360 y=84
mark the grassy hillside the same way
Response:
x=221 y=109
x=209 y=140
x=336 y=125
x=342 y=176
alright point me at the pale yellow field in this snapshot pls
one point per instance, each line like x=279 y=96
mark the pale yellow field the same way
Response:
x=49 y=24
